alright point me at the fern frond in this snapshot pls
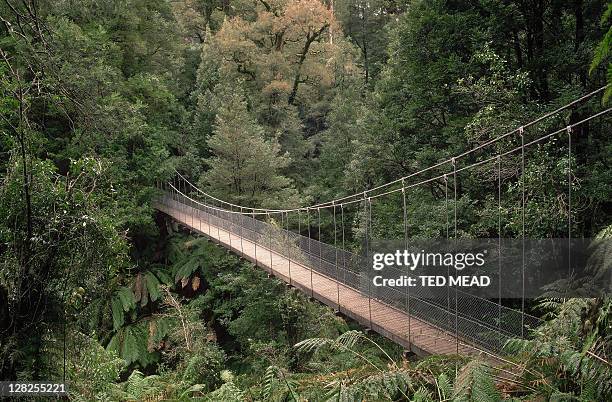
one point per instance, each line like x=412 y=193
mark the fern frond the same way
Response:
x=117 y=312
x=312 y=344
x=422 y=395
x=268 y=381
x=140 y=387
x=350 y=338
x=128 y=301
x=474 y=383
x=228 y=392
x=444 y=386
x=152 y=286
x=186 y=269
x=131 y=344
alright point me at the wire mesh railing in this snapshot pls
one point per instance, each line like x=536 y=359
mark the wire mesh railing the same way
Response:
x=462 y=316
x=483 y=322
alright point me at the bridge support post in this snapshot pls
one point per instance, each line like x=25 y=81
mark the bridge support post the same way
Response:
x=288 y=247
x=241 y=233
x=405 y=217
x=336 y=258
x=269 y=226
x=255 y=241
x=368 y=229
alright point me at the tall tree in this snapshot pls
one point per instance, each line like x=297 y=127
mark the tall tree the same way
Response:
x=365 y=23
x=245 y=165
x=291 y=71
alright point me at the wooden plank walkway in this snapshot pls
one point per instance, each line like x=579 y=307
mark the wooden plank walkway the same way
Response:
x=414 y=334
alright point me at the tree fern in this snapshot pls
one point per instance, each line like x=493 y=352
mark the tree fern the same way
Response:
x=268 y=382
x=345 y=342
x=603 y=50
x=594 y=374
x=474 y=383
x=350 y=338
x=185 y=269
x=599 y=263
x=146 y=287
x=176 y=249
x=569 y=353
x=159 y=328
x=139 y=387
x=274 y=381
x=422 y=395
x=122 y=301
x=118 y=314
x=389 y=384
x=131 y=344
x=228 y=392
x=444 y=386
x=161 y=273
x=313 y=344
x=128 y=301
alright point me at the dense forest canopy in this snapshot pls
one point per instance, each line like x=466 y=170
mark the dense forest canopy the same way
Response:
x=279 y=103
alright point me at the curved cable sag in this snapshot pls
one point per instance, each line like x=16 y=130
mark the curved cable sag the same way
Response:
x=468 y=324
x=463 y=316
x=483 y=145
x=212 y=208
x=484 y=161
x=365 y=194
x=226 y=202
x=311 y=253
x=262 y=211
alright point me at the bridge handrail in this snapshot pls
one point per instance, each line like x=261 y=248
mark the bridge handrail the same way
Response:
x=461 y=314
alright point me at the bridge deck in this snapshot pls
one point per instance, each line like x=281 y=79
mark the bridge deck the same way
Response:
x=412 y=333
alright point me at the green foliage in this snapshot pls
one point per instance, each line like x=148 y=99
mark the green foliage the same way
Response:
x=576 y=342
x=205 y=367
x=187 y=268
x=245 y=165
x=227 y=392
x=444 y=387
x=146 y=287
x=118 y=313
x=190 y=259
x=139 y=387
x=274 y=382
x=89 y=367
x=122 y=302
x=475 y=384
x=346 y=126
x=345 y=341
x=130 y=342
x=431 y=378
x=602 y=51
x=274 y=103
x=66 y=220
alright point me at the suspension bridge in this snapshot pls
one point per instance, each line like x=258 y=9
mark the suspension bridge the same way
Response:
x=291 y=245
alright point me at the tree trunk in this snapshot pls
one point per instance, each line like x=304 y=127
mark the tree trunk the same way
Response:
x=364 y=33
x=296 y=82
x=517 y=48
x=579 y=38
x=538 y=28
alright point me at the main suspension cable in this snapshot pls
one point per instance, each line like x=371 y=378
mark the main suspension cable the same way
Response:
x=368 y=193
